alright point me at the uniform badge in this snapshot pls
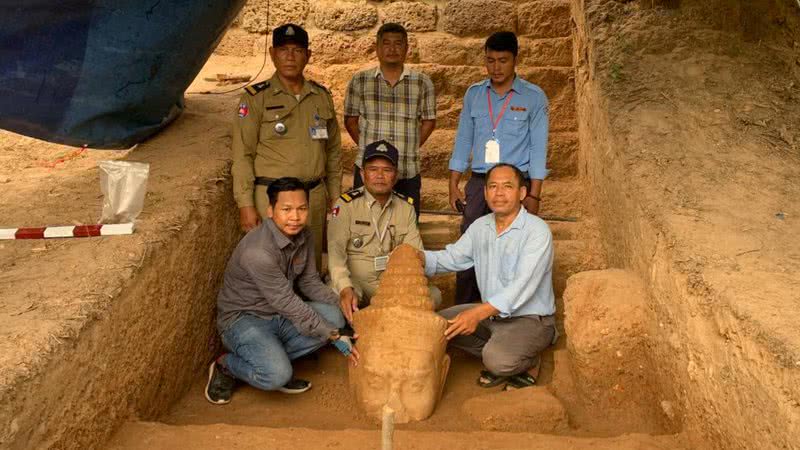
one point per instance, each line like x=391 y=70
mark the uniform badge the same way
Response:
x=335 y=211
x=519 y=108
x=243 y=111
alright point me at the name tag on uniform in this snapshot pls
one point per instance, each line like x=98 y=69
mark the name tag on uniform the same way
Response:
x=318 y=133
x=380 y=263
x=492 y=153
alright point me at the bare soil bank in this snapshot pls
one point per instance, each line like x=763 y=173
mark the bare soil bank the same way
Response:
x=97 y=330
x=689 y=144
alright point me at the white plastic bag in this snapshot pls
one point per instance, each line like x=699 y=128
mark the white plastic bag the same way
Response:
x=124 y=185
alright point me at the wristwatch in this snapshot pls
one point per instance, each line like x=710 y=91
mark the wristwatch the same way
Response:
x=538 y=199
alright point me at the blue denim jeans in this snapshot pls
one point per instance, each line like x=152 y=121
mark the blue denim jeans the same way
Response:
x=261 y=350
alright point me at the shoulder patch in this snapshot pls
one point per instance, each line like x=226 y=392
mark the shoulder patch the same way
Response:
x=404 y=197
x=320 y=86
x=351 y=195
x=256 y=88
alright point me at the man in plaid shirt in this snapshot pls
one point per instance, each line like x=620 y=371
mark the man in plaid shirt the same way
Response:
x=392 y=103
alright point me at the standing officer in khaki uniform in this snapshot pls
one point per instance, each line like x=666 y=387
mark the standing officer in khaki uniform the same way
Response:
x=367 y=223
x=286 y=126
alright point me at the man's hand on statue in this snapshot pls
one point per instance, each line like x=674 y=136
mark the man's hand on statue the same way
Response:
x=249 y=218
x=466 y=322
x=455 y=195
x=531 y=205
x=346 y=346
x=348 y=302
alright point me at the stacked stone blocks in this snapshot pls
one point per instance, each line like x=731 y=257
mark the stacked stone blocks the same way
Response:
x=446 y=42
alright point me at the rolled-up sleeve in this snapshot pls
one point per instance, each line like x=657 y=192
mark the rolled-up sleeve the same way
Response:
x=539 y=129
x=455 y=257
x=264 y=270
x=534 y=262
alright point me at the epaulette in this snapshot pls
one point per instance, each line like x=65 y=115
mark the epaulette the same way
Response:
x=351 y=195
x=404 y=197
x=479 y=83
x=256 y=88
x=320 y=86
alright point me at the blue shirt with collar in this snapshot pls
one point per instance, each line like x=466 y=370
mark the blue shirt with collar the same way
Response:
x=514 y=268
x=522 y=131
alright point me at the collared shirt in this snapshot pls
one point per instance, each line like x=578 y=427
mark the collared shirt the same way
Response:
x=392 y=113
x=260 y=277
x=260 y=150
x=521 y=132
x=354 y=217
x=514 y=269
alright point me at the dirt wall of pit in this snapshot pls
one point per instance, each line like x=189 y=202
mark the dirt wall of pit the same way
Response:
x=733 y=390
x=141 y=346
x=446 y=42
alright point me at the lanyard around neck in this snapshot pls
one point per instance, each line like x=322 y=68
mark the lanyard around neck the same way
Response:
x=502 y=111
x=381 y=234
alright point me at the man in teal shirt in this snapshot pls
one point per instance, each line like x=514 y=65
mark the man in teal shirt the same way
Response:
x=512 y=253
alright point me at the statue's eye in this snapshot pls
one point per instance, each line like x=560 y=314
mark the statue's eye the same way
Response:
x=416 y=386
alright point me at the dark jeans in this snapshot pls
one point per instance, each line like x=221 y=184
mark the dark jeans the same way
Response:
x=410 y=187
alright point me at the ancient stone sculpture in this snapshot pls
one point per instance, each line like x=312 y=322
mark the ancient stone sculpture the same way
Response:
x=402 y=344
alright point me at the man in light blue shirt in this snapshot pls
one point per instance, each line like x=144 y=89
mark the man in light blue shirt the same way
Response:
x=512 y=253
x=504 y=119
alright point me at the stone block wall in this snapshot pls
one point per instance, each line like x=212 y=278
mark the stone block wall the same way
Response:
x=446 y=42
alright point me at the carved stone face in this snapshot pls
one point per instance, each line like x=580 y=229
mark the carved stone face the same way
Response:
x=403 y=362
x=409 y=382
x=404 y=371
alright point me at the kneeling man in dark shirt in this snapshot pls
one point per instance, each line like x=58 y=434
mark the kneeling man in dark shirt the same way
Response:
x=264 y=324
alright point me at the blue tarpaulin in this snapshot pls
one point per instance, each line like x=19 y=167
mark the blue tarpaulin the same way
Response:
x=106 y=74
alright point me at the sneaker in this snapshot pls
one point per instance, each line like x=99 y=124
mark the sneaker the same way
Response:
x=295 y=386
x=219 y=388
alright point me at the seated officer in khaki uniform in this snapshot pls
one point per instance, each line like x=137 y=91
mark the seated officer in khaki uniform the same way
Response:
x=366 y=225
x=286 y=127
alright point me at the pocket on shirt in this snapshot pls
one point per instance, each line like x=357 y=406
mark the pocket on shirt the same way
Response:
x=481 y=121
x=516 y=124
x=400 y=233
x=270 y=119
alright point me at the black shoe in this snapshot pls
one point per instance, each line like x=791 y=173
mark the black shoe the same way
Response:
x=219 y=388
x=295 y=386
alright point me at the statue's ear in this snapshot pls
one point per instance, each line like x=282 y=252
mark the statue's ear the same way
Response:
x=443 y=376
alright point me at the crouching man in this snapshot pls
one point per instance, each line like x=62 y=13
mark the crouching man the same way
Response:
x=264 y=324
x=512 y=253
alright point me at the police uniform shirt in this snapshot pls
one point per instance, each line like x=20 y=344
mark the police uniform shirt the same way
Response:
x=353 y=243
x=272 y=137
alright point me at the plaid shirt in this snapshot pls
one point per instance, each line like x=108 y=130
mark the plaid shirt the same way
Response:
x=391 y=113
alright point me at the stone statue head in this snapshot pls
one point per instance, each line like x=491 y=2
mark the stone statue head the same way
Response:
x=402 y=345
x=403 y=361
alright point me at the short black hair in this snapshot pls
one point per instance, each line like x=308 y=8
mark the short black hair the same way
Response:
x=502 y=41
x=517 y=174
x=284 y=184
x=391 y=27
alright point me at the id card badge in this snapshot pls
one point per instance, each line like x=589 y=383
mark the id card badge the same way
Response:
x=492 y=153
x=318 y=133
x=380 y=263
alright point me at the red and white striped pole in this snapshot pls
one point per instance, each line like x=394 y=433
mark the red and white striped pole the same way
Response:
x=67 y=232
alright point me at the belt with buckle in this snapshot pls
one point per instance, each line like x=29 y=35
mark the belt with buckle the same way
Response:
x=264 y=181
